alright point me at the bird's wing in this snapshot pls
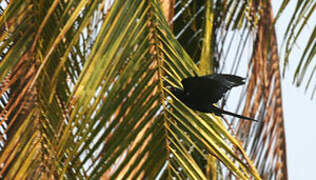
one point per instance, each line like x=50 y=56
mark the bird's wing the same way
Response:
x=210 y=88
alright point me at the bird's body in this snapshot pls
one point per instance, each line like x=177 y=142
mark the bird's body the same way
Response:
x=200 y=93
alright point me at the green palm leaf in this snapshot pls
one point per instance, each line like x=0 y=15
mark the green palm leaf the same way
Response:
x=83 y=92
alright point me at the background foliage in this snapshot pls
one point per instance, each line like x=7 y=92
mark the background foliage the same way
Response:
x=83 y=89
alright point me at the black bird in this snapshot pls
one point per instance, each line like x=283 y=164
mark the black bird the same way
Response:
x=200 y=93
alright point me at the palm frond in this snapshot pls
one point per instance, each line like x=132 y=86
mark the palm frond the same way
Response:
x=84 y=91
x=301 y=20
x=251 y=23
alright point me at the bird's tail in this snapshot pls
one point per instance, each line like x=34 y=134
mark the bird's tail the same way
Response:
x=237 y=115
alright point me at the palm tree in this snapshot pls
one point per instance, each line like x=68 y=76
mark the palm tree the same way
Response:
x=83 y=90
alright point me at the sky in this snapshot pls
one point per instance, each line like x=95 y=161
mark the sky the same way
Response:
x=299 y=108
